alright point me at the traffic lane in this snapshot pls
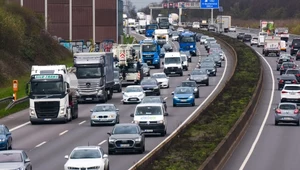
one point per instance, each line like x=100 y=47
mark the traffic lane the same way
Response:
x=92 y=135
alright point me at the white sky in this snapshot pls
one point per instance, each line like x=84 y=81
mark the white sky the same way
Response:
x=142 y=3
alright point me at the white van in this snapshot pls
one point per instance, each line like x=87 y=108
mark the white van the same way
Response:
x=261 y=39
x=151 y=118
x=283 y=45
x=185 y=64
x=173 y=63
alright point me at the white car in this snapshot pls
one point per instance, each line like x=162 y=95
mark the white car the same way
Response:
x=87 y=157
x=161 y=78
x=196 y=25
x=232 y=29
x=185 y=63
x=254 y=41
x=203 y=39
x=290 y=92
x=133 y=94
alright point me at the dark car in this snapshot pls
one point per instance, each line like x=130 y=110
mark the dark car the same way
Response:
x=286 y=79
x=126 y=137
x=162 y=53
x=168 y=47
x=240 y=36
x=198 y=37
x=295 y=46
x=287 y=65
x=281 y=60
x=151 y=86
x=155 y=99
x=199 y=76
x=217 y=59
x=192 y=84
x=296 y=72
x=298 y=55
x=247 y=38
x=210 y=68
x=118 y=81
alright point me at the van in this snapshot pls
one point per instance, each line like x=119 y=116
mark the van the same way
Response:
x=151 y=117
x=173 y=63
x=283 y=45
x=295 y=46
x=185 y=64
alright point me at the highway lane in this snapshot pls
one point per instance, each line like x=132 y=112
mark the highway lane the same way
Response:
x=277 y=146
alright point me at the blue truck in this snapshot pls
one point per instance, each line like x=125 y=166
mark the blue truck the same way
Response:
x=187 y=42
x=151 y=52
x=150 y=30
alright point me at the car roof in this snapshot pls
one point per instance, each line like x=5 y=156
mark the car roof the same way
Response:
x=11 y=151
x=292 y=85
x=86 y=147
x=106 y=104
x=149 y=104
x=126 y=124
x=287 y=103
x=134 y=86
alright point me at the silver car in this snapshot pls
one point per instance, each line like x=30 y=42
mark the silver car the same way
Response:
x=14 y=159
x=146 y=69
x=287 y=113
x=105 y=114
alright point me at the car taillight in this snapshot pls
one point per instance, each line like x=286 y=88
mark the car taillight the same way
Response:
x=296 y=111
x=294 y=81
x=282 y=67
x=283 y=91
x=281 y=81
x=278 y=111
x=298 y=75
x=292 y=47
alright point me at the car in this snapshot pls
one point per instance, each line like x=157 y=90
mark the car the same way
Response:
x=217 y=59
x=232 y=29
x=155 y=99
x=183 y=96
x=210 y=68
x=213 y=45
x=199 y=76
x=133 y=94
x=175 y=36
x=296 y=72
x=218 y=51
x=284 y=66
x=15 y=159
x=290 y=92
x=146 y=69
x=298 y=55
x=254 y=41
x=168 y=47
x=209 y=40
x=5 y=138
x=286 y=79
x=203 y=39
x=281 y=60
x=295 y=46
x=118 y=81
x=87 y=157
x=151 y=86
x=198 y=37
x=151 y=117
x=211 y=28
x=192 y=84
x=240 y=36
x=188 y=54
x=162 y=78
x=162 y=53
x=105 y=114
x=247 y=38
x=185 y=63
x=196 y=25
x=206 y=59
x=287 y=113
x=126 y=137
x=180 y=29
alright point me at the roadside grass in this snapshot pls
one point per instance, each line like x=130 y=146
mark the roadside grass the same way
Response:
x=191 y=148
x=128 y=39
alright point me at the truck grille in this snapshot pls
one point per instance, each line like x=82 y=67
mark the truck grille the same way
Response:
x=83 y=87
x=103 y=116
x=148 y=56
x=46 y=109
x=120 y=142
x=150 y=122
x=172 y=68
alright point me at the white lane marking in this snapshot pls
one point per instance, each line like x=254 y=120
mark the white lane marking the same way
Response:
x=39 y=145
x=20 y=126
x=63 y=132
x=165 y=98
x=186 y=120
x=265 y=119
x=82 y=122
x=102 y=142
x=175 y=47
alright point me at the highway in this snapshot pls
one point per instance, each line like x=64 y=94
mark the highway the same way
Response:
x=47 y=144
x=264 y=145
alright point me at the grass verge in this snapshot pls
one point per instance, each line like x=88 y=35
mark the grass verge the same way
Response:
x=128 y=39
x=191 y=148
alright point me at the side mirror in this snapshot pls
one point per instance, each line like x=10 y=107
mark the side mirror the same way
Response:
x=91 y=110
x=68 y=90
x=142 y=132
x=181 y=62
x=162 y=63
x=8 y=133
x=172 y=93
x=131 y=115
x=28 y=160
x=109 y=133
x=66 y=157
x=117 y=109
x=166 y=114
x=105 y=156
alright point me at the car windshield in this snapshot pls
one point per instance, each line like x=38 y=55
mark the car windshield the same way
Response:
x=172 y=60
x=283 y=60
x=292 y=88
x=159 y=76
x=207 y=64
x=151 y=27
x=148 y=82
x=198 y=72
x=188 y=84
x=148 y=110
x=183 y=58
x=85 y=154
x=288 y=65
x=133 y=89
x=167 y=46
x=210 y=39
x=186 y=39
x=104 y=108
x=88 y=72
x=287 y=107
x=149 y=48
x=183 y=90
x=254 y=38
x=151 y=100
x=145 y=65
x=124 y=129
x=292 y=72
x=10 y=157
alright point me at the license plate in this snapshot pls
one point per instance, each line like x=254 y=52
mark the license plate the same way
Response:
x=183 y=100
x=48 y=119
x=292 y=93
x=133 y=99
x=103 y=119
x=124 y=145
x=173 y=72
x=287 y=118
x=148 y=130
x=88 y=98
x=288 y=82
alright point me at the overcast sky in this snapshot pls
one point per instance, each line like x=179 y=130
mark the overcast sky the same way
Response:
x=142 y=3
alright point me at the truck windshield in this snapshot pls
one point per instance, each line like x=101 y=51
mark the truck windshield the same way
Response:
x=187 y=39
x=148 y=110
x=151 y=27
x=149 y=48
x=88 y=72
x=172 y=60
x=49 y=87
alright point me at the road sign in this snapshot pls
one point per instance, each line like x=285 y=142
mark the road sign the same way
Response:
x=122 y=56
x=209 y=4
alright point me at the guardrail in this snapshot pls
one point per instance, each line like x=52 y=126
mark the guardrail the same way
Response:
x=152 y=155
x=15 y=102
x=6 y=99
x=256 y=31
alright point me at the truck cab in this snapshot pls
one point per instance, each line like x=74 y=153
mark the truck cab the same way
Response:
x=52 y=94
x=151 y=53
x=187 y=42
x=150 y=30
x=161 y=36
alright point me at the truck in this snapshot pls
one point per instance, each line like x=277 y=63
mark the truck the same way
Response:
x=163 y=22
x=150 y=30
x=223 y=23
x=150 y=52
x=187 y=42
x=131 y=23
x=173 y=63
x=267 y=26
x=161 y=36
x=283 y=32
x=142 y=26
x=261 y=39
x=95 y=76
x=204 y=24
x=148 y=19
x=272 y=45
x=52 y=94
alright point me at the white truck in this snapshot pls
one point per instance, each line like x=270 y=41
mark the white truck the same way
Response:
x=142 y=26
x=148 y=19
x=131 y=23
x=52 y=94
x=261 y=39
x=223 y=23
x=272 y=45
x=283 y=32
x=161 y=36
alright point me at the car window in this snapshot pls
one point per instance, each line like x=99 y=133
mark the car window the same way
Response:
x=125 y=130
x=148 y=82
x=101 y=151
x=292 y=72
x=148 y=110
x=24 y=155
x=104 y=108
x=133 y=89
x=183 y=90
x=292 y=88
x=183 y=58
x=159 y=76
x=188 y=84
x=151 y=100
x=85 y=154
x=287 y=107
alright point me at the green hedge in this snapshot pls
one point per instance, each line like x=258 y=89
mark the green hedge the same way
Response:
x=199 y=140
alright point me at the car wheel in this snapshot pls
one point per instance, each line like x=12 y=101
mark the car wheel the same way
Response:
x=207 y=84
x=120 y=89
x=181 y=74
x=124 y=102
x=198 y=95
x=276 y=123
x=10 y=146
x=107 y=168
x=193 y=104
x=168 y=86
x=174 y=105
x=142 y=150
x=110 y=152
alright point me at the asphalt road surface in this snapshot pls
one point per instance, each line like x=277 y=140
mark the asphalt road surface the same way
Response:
x=47 y=144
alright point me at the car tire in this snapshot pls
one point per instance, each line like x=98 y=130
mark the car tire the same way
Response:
x=276 y=123
x=92 y=124
x=110 y=152
x=107 y=168
x=141 y=151
x=168 y=86
x=163 y=133
x=207 y=84
x=198 y=95
x=193 y=104
x=124 y=102
x=181 y=74
x=279 y=88
x=174 y=105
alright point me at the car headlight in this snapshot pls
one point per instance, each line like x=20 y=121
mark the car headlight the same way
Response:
x=32 y=112
x=138 y=139
x=156 y=87
x=111 y=116
x=124 y=95
x=175 y=97
x=191 y=46
x=213 y=70
x=191 y=97
x=195 y=89
x=62 y=110
x=94 y=116
x=161 y=121
x=111 y=140
x=2 y=140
